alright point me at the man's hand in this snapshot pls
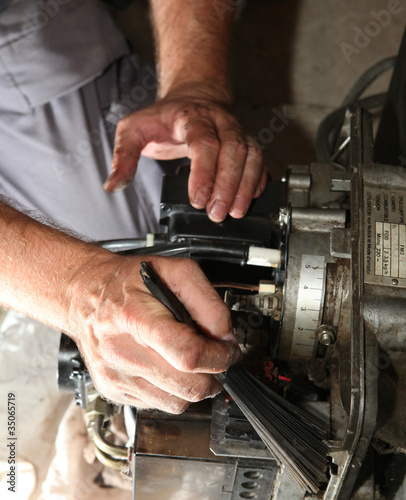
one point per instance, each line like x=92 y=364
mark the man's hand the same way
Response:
x=191 y=116
x=227 y=169
x=135 y=350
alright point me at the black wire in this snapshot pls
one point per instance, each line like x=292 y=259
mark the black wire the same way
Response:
x=204 y=249
x=367 y=78
x=330 y=127
x=168 y=250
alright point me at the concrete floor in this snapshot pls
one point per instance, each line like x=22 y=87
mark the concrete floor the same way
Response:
x=294 y=55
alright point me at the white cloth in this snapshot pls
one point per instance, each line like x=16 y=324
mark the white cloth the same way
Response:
x=28 y=364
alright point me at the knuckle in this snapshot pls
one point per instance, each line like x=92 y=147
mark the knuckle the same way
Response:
x=250 y=185
x=210 y=142
x=187 y=267
x=123 y=124
x=158 y=331
x=239 y=146
x=103 y=373
x=255 y=153
x=198 y=391
x=120 y=155
x=103 y=387
x=221 y=309
x=190 y=357
x=190 y=266
x=178 y=407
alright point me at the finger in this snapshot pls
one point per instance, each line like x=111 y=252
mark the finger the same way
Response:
x=140 y=393
x=203 y=143
x=230 y=168
x=119 y=398
x=250 y=182
x=262 y=183
x=128 y=145
x=153 y=396
x=137 y=361
x=153 y=325
x=188 y=282
x=166 y=151
x=186 y=350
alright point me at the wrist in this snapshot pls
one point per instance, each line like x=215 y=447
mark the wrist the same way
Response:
x=85 y=287
x=198 y=90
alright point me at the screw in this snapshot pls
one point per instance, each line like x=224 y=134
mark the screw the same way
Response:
x=326 y=334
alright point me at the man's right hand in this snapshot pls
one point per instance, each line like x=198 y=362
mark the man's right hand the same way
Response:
x=135 y=350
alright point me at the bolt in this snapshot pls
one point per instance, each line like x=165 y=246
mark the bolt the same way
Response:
x=395 y=281
x=326 y=338
x=326 y=334
x=283 y=216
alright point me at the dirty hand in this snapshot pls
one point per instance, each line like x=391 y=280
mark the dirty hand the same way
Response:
x=227 y=168
x=135 y=350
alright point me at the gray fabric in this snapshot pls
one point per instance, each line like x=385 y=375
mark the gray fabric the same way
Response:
x=54 y=157
x=4 y=4
x=52 y=47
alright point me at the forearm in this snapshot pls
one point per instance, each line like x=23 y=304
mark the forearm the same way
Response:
x=192 y=46
x=37 y=267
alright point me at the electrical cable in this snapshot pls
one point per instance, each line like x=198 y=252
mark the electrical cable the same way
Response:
x=240 y=286
x=204 y=249
x=367 y=78
x=330 y=127
x=123 y=244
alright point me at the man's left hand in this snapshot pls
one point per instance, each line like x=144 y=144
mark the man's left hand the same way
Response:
x=227 y=168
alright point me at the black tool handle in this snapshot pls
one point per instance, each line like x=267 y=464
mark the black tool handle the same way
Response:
x=162 y=293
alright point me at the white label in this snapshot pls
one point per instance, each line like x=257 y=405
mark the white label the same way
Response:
x=386 y=249
x=402 y=251
x=385 y=237
x=309 y=305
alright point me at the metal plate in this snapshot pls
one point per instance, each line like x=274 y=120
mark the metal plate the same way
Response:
x=385 y=237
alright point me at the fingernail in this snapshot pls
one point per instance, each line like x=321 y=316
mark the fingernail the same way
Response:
x=114 y=188
x=214 y=390
x=237 y=356
x=201 y=197
x=230 y=337
x=218 y=211
x=258 y=192
x=109 y=180
x=239 y=207
x=260 y=189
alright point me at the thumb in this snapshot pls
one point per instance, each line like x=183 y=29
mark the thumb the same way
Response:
x=128 y=144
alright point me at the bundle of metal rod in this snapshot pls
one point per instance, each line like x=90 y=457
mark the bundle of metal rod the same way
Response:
x=292 y=435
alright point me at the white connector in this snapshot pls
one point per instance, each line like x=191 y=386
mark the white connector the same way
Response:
x=265 y=257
